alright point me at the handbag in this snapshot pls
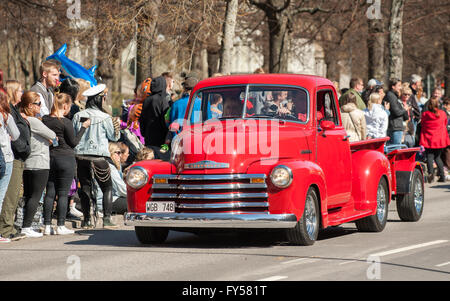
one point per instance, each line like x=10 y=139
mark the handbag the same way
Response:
x=354 y=126
x=446 y=157
x=2 y=164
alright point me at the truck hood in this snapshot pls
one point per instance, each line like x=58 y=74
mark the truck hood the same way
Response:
x=230 y=146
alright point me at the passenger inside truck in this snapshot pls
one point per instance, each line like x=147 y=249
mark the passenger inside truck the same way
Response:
x=326 y=107
x=287 y=103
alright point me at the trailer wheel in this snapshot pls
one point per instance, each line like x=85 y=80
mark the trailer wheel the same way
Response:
x=306 y=230
x=377 y=222
x=410 y=205
x=149 y=235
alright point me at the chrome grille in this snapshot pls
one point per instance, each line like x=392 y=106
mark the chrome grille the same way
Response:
x=239 y=193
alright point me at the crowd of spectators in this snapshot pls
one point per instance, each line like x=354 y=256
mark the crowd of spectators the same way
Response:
x=60 y=143
x=403 y=114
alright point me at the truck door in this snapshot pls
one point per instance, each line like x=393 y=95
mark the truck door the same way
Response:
x=333 y=149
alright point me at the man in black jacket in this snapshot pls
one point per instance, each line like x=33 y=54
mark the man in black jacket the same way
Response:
x=152 y=122
x=398 y=113
x=415 y=84
x=21 y=149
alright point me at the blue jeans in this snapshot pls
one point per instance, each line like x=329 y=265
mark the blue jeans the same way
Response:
x=4 y=182
x=396 y=137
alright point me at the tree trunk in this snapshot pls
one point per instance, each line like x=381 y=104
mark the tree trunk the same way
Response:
x=213 y=61
x=447 y=67
x=144 y=51
x=228 y=36
x=375 y=45
x=107 y=58
x=278 y=39
x=332 y=63
x=395 y=39
x=10 y=56
x=147 y=29
x=277 y=13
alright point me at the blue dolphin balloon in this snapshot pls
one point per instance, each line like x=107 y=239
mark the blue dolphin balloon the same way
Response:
x=72 y=68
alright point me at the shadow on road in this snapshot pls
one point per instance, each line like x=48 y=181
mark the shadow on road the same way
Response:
x=201 y=240
x=440 y=186
x=333 y=232
x=100 y=237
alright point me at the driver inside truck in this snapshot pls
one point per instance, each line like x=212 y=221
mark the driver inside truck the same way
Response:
x=232 y=107
x=279 y=106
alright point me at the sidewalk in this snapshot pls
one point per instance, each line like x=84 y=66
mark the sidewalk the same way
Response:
x=76 y=224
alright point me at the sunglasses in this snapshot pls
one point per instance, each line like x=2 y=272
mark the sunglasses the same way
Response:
x=37 y=103
x=407 y=94
x=118 y=152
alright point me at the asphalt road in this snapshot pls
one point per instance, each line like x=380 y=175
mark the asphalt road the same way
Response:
x=403 y=251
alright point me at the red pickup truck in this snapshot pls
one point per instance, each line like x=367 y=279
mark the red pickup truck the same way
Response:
x=269 y=152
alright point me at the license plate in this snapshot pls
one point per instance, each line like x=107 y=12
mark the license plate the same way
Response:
x=160 y=207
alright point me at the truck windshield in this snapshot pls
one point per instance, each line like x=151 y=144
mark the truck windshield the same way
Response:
x=250 y=101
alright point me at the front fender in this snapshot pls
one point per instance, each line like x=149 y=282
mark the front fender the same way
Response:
x=137 y=198
x=292 y=198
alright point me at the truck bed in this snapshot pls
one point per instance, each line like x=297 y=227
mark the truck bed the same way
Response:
x=402 y=162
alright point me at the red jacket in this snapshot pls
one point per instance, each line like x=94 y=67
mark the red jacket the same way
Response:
x=434 y=130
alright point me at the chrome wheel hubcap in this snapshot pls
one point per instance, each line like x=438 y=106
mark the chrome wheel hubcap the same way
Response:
x=381 y=203
x=418 y=196
x=310 y=218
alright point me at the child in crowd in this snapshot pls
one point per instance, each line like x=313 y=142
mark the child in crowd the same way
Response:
x=145 y=154
x=408 y=137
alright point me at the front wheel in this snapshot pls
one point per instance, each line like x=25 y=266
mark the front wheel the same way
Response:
x=410 y=206
x=149 y=235
x=377 y=222
x=306 y=230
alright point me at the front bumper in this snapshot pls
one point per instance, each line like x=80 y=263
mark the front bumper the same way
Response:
x=212 y=220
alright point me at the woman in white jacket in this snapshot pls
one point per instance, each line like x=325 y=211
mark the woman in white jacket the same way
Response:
x=377 y=120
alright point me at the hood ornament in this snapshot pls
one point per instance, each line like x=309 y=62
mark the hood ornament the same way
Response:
x=206 y=165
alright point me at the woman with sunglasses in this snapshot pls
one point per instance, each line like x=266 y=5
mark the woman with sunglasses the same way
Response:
x=92 y=153
x=37 y=165
x=119 y=205
x=398 y=112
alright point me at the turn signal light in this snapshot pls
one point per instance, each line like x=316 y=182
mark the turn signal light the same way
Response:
x=257 y=180
x=160 y=181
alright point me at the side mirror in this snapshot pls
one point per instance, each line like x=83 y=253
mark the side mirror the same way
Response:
x=174 y=127
x=327 y=125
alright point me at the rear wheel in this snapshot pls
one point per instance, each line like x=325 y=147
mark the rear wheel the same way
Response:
x=306 y=230
x=149 y=235
x=410 y=206
x=377 y=222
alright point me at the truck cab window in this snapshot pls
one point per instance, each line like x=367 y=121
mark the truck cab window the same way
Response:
x=288 y=103
x=285 y=103
x=326 y=107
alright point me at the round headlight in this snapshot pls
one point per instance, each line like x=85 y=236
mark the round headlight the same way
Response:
x=137 y=177
x=281 y=176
